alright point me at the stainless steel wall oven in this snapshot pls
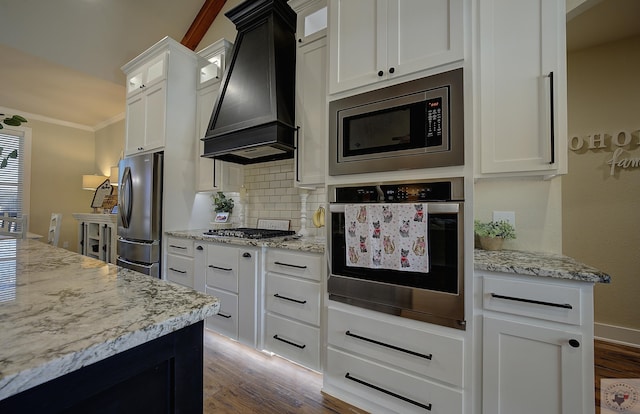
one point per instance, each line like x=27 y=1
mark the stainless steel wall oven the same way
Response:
x=433 y=294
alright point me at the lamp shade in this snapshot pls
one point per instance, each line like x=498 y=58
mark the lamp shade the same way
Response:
x=91 y=182
x=114 y=176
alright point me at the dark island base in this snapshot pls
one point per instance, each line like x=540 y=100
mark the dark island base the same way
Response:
x=161 y=376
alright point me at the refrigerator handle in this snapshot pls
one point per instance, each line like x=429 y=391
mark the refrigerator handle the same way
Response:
x=125 y=197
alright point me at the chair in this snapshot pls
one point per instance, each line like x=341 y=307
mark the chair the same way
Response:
x=54 y=229
x=16 y=227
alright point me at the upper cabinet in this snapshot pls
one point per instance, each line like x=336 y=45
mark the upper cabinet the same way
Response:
x=212 y=175
x=522 y=90
x=372 y=41
x=311 y=92
x=156 y=89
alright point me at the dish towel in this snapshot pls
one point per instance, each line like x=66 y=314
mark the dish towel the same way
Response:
x=387 y=236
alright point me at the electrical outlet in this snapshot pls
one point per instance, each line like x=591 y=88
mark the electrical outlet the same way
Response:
x=65 y=245
x=508 y=216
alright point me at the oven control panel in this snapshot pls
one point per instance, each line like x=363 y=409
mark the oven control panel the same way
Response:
x=395 y=193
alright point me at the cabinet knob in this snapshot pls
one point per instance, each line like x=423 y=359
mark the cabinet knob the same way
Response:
x=246 y=254
x=391 y=70
x=380 y=73
x=299 y=40
x=574 y=343
x=199 y=248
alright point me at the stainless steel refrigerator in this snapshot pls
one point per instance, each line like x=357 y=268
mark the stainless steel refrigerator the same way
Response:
x=140 y=213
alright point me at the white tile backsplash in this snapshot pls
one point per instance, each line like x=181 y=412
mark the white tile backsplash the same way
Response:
x=270 y=194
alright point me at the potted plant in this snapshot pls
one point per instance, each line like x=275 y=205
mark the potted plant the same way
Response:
x=222 y=206
x=10 y=120
x=493 y=233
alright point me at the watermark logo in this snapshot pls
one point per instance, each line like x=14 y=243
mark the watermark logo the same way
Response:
x=619 y=396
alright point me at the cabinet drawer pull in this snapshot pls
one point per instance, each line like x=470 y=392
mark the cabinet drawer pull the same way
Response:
x=178 y=271
x=535 y=302
x=177 y=247
x=226 y=269
x=289 y=342
x=246 y=255
x=277 y=295
x=393 y=394
x=290 y=265
x=223 y=315
x=552 y=136
x=199 y=248
x=574 y=343
x=396 y=348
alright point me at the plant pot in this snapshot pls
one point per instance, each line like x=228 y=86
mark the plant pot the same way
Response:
x=491 y=243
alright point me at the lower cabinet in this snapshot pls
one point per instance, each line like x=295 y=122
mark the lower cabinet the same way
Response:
x=292 y=306
x=385 y=363
x=179 y=267
x=537 y=346
x=230 y=273
x=97 y=236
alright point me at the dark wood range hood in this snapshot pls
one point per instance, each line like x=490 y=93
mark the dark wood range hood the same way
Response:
x=253 y=118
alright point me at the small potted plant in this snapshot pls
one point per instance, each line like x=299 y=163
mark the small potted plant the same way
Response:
x=222 y=206
x=492 y=234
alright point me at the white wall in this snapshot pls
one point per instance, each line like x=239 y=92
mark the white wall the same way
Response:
x=601 y=224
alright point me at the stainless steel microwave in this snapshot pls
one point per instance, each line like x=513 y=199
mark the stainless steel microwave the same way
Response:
x=416 y=124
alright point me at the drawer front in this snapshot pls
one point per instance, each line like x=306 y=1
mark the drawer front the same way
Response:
x=358 y=376
x=422 y=352
x=547 y=301
x=183 y=247
x=226 y=320
x=222 y=268
x=180 y=270
x=293 y=340
x=295 y=298
x=299 y=264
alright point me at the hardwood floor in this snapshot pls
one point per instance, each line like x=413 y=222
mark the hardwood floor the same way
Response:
x=238 y=380
x=614 y=361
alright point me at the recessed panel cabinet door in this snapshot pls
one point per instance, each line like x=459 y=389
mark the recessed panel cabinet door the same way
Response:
x=531 y=369
x=378 y=40
x=523 y=115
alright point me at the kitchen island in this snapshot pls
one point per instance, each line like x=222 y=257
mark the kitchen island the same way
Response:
x=81 y=335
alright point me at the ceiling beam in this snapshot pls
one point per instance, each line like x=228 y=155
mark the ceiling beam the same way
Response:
x=202 y=22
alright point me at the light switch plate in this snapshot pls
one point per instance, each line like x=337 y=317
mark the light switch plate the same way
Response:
x=508 y=216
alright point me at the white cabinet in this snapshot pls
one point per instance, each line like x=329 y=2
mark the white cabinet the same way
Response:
x=180 y=261
x=522 y=109
x=97 y=236
x=160 y=95
x=311 y=92
x=537 y=345
x=145 y=114
x=376 y=40
x=146 y=74
x=385 y=363
x=212 y=175
x=292 y=306
x=231 y=274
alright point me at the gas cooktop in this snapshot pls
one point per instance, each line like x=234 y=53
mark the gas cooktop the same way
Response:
x=249 y=233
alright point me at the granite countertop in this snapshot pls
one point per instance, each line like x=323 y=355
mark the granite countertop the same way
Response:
x=537 y=264
x=311 y=244
x=60 y=311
